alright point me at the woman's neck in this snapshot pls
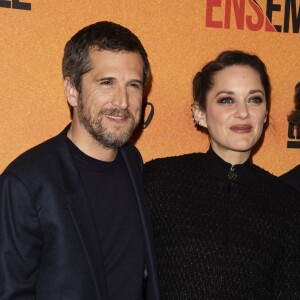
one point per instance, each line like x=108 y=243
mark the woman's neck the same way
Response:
x=231 y=156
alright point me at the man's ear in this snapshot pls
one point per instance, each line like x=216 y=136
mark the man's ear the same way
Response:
x=199 y=115
x=70 y=92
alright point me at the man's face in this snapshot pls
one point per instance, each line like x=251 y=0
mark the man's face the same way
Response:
x=109 y=105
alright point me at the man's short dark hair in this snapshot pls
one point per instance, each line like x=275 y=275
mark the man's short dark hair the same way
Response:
x=103 y=36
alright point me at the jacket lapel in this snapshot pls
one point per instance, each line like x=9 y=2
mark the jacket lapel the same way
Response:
x=82 y=216
x=135 y=173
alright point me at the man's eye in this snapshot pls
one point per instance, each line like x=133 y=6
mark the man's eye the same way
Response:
x=135 y=85
x=106 y=82
x=225 y=100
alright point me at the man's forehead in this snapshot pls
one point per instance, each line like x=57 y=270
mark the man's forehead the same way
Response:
x=93 y=49
x=110 y=57
x=111 y=63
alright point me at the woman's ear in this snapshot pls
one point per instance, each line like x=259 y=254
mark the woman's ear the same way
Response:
x=266 y=117
x=199 y=115
x=70 y=92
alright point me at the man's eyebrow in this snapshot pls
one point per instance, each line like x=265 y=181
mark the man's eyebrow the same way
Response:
x=107 y=78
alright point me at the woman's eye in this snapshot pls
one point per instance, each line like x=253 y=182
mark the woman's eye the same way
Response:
x=256 y=100
x=225 y=100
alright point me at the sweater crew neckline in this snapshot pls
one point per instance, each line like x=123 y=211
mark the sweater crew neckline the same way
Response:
x=88 y=162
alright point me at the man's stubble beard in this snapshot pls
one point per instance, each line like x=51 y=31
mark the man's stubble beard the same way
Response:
x=94 y=126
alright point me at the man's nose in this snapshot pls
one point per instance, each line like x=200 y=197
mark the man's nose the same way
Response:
x=121 y=98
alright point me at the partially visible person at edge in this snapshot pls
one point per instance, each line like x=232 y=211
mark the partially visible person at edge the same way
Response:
x=73 y=221
x=293 y=176
x=223 y=227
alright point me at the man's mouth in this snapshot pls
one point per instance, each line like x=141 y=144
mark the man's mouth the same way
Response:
x=116 y=117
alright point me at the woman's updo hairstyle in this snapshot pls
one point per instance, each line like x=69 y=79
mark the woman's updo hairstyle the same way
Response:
x=204 y=80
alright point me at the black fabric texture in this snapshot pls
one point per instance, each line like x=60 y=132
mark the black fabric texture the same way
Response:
x=222 y=238
x=292 y=177
x=113 y=204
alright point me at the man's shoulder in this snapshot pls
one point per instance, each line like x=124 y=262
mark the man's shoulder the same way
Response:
x=279 y=197
x=295 y=171
x=36 y=158
x=292 y=177
x=276 y=183
x=272 y=183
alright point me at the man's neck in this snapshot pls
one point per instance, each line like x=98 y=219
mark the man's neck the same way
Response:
x=88 y=145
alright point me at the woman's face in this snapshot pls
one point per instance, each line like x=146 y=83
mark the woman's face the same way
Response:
x=235 y=112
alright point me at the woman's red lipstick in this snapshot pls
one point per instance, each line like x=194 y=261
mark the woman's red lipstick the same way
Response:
x=242 y=128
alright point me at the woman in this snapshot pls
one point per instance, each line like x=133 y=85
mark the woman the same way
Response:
x=225 y=228
x=292 y=177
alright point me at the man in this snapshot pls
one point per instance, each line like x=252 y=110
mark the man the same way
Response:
x=292 y=177
x=73 y=222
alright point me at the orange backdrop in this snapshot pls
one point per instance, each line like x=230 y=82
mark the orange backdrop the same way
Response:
x=178 y=41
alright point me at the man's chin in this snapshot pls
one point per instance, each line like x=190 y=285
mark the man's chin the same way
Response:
x=113 y=141
x=112 y=144
x=113 y=137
